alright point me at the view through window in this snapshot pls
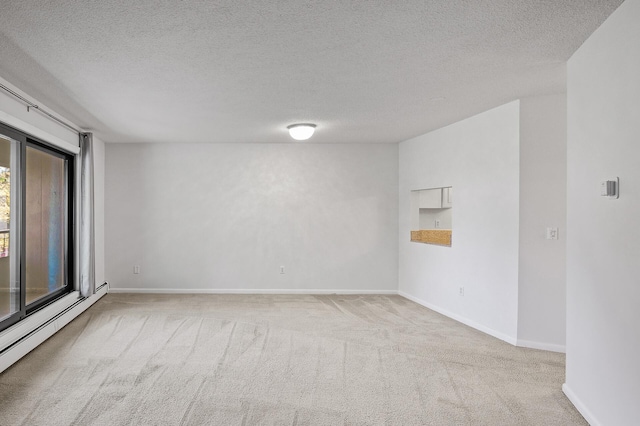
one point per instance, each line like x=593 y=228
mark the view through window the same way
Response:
x=9 y=293
x=45 y=223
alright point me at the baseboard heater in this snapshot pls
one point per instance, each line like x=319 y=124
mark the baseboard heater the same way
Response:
x=21 y=338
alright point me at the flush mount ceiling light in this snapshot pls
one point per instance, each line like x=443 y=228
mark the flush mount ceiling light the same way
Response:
x=302 y=131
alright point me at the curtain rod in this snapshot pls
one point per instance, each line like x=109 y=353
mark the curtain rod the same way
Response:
x=32 y=105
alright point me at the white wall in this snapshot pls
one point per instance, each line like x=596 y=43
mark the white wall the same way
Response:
x=603 y=246
x=428 y=217
x=225 y=217
x=479 y=157
x=543 y=180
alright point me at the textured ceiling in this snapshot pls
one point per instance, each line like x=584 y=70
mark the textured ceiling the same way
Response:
x=230 y=71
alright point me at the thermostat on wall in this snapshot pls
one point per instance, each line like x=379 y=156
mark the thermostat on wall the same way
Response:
x=610 y=188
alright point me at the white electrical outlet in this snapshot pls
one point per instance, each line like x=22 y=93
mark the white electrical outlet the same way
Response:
x=461 y=291
x=136 y=269
x=610 y=188
x=282 y=269
x=552 y=233
x=437 y=223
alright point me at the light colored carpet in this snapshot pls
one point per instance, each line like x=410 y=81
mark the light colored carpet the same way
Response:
x=279 y=360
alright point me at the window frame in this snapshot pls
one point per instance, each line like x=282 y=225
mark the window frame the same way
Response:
x=24 y=140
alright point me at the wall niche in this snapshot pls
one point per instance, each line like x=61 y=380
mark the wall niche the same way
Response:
x=431 y=215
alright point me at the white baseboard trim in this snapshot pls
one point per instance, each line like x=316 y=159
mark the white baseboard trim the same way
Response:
x=459 y=318
x=244 y=291
x=552 y=347
x=588 y=416
x=46 y=326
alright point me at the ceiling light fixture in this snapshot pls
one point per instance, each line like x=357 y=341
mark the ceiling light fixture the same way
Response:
x=302 y=131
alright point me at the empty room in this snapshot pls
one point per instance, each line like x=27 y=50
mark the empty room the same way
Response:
x=319 y=213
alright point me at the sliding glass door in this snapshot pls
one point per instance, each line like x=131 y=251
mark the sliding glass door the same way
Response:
x=36 y=218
